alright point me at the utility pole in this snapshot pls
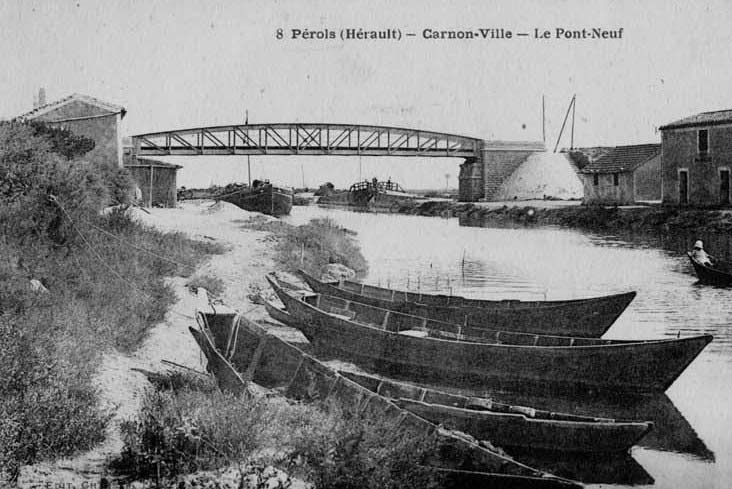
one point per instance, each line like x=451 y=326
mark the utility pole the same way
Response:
x=249 y=163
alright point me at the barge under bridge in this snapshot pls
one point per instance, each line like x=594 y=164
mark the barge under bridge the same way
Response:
x=486 y=162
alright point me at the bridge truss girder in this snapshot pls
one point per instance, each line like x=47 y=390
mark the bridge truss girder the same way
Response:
x=305 y=139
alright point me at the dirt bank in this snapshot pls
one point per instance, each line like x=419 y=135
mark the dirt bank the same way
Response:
x=242 y=269
x=650 y=218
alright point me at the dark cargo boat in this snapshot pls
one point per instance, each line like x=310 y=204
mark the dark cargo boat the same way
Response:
x=262 y=197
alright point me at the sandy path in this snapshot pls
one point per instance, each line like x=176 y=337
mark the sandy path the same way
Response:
x=242 y=268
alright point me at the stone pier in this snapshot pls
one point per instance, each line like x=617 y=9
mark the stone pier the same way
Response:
x=480 y=178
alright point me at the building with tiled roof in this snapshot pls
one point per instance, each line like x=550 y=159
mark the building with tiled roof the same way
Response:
x=85 y=116
x=624 y=175
x=697 y=159
x=713 y=118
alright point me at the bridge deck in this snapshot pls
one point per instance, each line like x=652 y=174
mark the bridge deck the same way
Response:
x=305 y=139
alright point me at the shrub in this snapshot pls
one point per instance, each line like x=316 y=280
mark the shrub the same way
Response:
x=185 y=430
x=47 y=407
x=313 y=246
x=213 y=285
x=105 y=276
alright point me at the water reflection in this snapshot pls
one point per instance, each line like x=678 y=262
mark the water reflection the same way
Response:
x=439 y=255
x=588 y=468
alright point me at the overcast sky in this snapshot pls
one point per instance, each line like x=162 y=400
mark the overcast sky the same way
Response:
x=176 y=64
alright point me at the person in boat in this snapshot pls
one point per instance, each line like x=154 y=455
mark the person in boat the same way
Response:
x=701 y=256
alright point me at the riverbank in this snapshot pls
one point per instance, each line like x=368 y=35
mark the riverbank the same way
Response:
x=252 y=245
x=647 y=218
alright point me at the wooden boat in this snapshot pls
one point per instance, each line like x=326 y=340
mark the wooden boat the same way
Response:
x=239 y=350
x=579 y=317
x=421 y=349
x=503 y=424
x=719 y=274
x=262 y=197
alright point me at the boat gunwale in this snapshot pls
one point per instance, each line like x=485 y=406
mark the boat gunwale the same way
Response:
x=526 y=304
x=599 y=422
x=263 y=335
x=614 y=344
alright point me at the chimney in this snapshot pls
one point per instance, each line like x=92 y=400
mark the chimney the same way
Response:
x=35 y=100
x=41 y=96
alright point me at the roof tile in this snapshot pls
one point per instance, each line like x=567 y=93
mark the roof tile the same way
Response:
x=702 y=119
x=623 y=158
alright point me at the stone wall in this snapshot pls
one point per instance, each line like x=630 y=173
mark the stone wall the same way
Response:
x=606 y=192
x=679 y=151
x=498 y=166
x=164 y=191
x=103 y=130
x=471 y=180
x=647 y=180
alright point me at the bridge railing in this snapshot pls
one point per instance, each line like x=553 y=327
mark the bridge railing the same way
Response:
x=294 y=139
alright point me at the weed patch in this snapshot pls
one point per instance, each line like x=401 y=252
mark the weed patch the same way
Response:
x=312 y=246
x=185 y=430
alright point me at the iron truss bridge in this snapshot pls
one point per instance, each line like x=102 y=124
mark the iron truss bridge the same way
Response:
x=305 y=139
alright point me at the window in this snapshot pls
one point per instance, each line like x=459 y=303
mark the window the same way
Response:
x=595 y=179
x=703 y=140
x=615 y=179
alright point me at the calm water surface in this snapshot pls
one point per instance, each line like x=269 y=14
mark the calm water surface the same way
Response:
x=692 y=443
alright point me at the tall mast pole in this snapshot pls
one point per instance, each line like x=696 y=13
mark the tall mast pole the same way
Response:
x=574 y=106
x=543 y=120
x=249 y=163
x=564 y=122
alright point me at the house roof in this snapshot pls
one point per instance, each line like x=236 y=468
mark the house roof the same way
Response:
x=76 y=97
x=623 y=158
x=129 y=161
x=702 y=119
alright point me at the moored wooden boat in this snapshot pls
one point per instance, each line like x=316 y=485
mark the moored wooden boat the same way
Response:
x=260 y=197
x=421 y=349
x=503 y=424
x=719 y=274
x=589 y=318
x=255 y=355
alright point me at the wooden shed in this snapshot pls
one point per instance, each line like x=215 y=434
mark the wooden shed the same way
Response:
x=155 y=179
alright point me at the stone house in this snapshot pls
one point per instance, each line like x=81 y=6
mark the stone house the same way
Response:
x=697 y=159
x=624 y=175
x=85 y=116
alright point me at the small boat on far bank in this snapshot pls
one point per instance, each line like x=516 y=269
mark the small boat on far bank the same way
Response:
x=262 y=197
x=589 y=318
x=719 y=274
x=371 y=195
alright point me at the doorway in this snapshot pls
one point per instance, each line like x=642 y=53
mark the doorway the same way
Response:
x=724 y=186
x=683 y=186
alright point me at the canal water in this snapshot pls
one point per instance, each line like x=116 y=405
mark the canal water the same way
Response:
x=691 y=444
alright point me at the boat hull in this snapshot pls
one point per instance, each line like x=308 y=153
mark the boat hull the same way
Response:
x=272 y=363
x=709 y=275
x=504 y=425
x=268 y=199
x=589 y=318
x=642 y=366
